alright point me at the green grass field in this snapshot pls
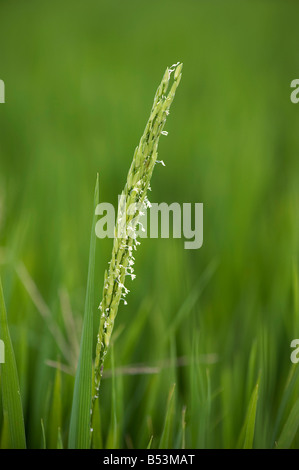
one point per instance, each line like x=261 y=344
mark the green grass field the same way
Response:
x=200 y=356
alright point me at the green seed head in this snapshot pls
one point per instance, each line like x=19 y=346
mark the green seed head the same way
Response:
x=135 y=192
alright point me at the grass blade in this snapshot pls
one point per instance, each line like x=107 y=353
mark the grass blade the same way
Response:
x=184 y=428
x=290 y=428
x=247 y=433
x=11 y=397
x=190 y=302
x=79 y=436
x=149 y=446
x=289 y=388
x=5 y=438
x=55 y=418
x=165 y=438
x=43 y=434
x=59 y=440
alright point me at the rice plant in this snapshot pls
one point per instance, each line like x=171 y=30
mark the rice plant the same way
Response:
x=121 y=265
x=133 y=202
x=200 y=357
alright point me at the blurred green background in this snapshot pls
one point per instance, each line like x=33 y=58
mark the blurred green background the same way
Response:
x=80 y=80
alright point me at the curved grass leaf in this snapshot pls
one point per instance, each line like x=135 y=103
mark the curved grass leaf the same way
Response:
x=11 y=396
x=149 y=446
x=247 y=433
x=290 y=428
x=289 y=388
x=43 y=434
x=79 y=435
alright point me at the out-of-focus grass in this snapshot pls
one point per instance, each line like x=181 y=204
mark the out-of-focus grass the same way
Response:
x=79 y=83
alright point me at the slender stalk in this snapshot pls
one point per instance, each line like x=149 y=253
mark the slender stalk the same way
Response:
x=133 y=196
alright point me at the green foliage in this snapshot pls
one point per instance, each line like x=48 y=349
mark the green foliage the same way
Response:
x=11 y=395
x=80 y=425
x=165 y=441
x=55 y=414
x=78 y=90
x=247 y=433
x=290 y=428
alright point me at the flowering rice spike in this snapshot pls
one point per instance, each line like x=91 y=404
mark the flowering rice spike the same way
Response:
x=135 y=192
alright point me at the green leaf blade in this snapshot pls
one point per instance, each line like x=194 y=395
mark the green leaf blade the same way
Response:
x=11 y=396
x=247 y=433
x=290 y=428
x=79 y=435
x=166 y=434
